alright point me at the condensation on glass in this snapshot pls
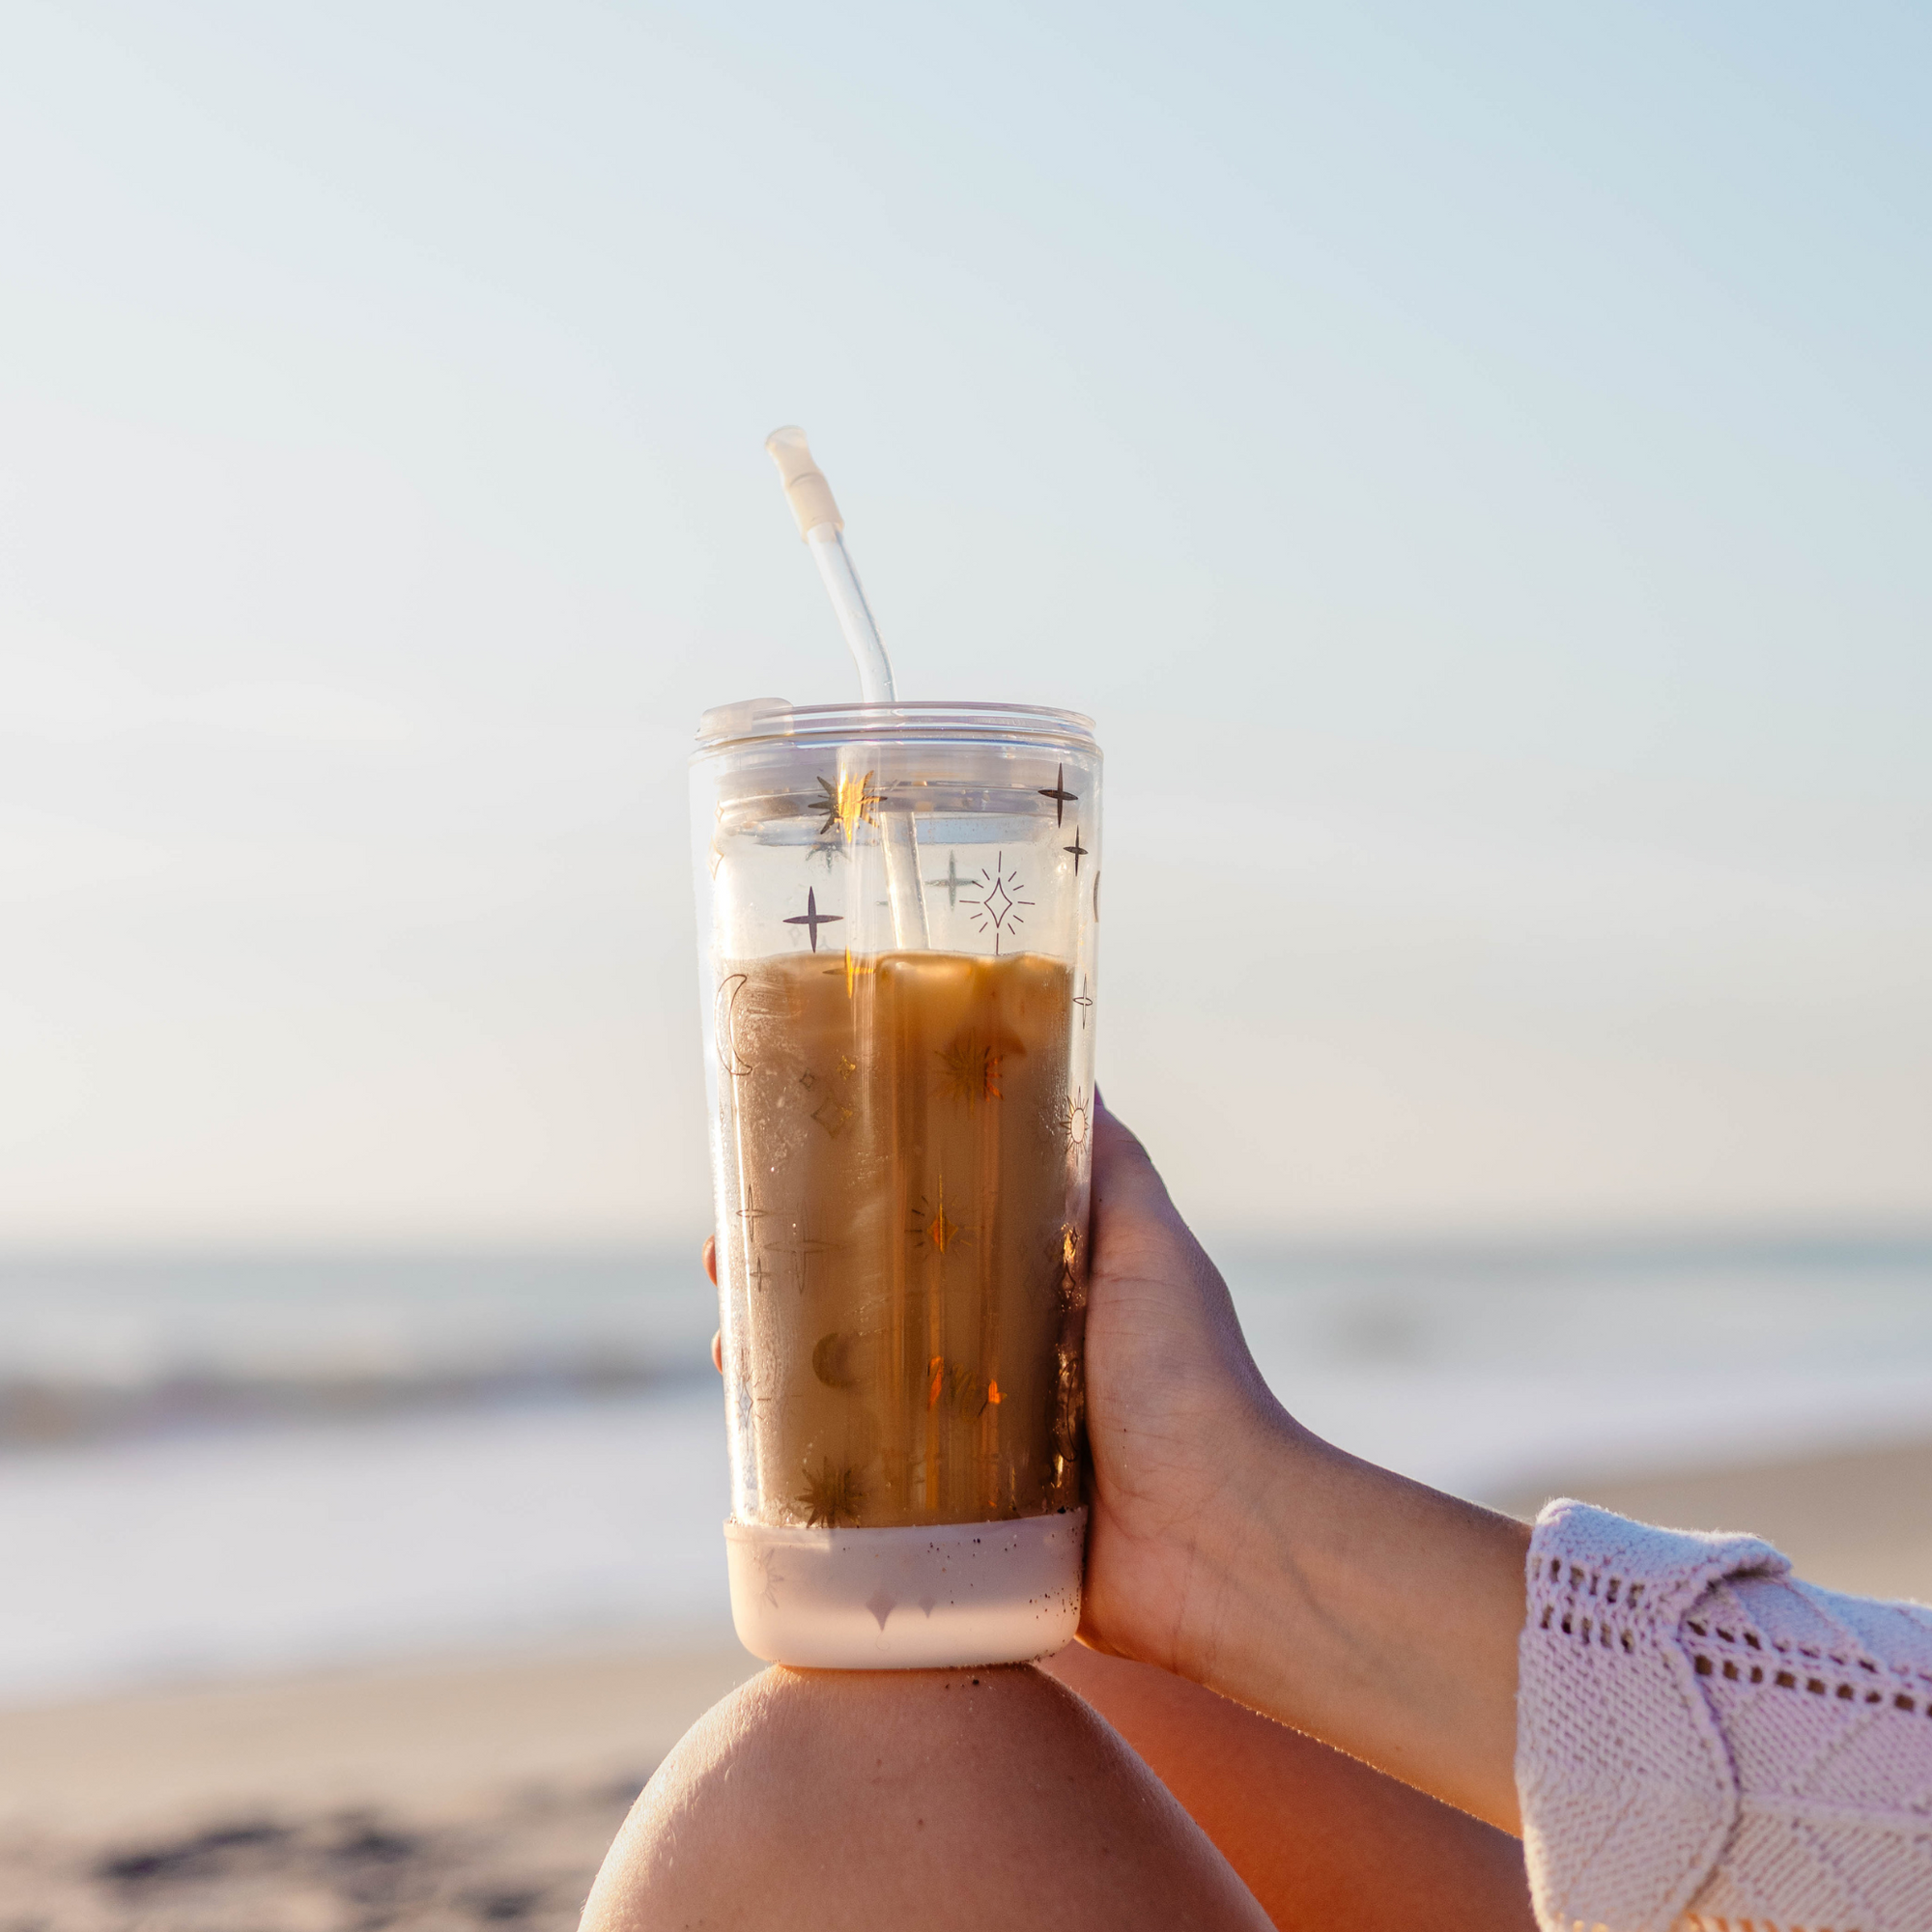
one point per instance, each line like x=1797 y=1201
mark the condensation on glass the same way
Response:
x=898 y=908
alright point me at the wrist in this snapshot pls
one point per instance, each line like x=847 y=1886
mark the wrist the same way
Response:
x=1178 y=1583
x=1247 y=1588
x=1362 y=1608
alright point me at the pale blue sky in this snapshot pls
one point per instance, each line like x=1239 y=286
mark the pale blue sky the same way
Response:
x=1473 y=462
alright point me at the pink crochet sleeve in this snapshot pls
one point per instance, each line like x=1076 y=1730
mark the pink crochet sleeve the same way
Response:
x=1705 y=1743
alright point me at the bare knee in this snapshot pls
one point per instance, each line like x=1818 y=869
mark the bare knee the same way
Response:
x=936 y=1798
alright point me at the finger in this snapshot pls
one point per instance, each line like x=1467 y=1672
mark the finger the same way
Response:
x=1124 y=1171
x=711 y=1258
x=718 y=1350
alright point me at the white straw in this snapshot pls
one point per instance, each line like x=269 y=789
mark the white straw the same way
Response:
x=822 y=528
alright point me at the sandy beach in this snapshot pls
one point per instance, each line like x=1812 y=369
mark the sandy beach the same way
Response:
x=455 y=1794
x=483 y=1792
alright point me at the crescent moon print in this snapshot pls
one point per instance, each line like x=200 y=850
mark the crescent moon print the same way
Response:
x=725 y=1025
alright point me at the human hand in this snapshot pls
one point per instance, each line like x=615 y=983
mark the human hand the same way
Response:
x=1229 y=1545
x=1178 y=1419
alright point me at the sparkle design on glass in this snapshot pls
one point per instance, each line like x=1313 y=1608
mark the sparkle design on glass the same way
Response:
x=970 y=1071
x=1082 y=1001
x=1057 y=791
x=757 y=1274
x=931 y=1226
x=808 y=1250
x=833 y=1114
x=848 y=804
x=766 y=1561
x=998 y=905
x=1078 y=850
x=831 y=1496
x=951 y=882
x=1071 y=1121
x=853 y=973
x=812 y=918
x=744 y=1411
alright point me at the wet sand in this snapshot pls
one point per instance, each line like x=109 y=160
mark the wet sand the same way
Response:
x=464 y=1795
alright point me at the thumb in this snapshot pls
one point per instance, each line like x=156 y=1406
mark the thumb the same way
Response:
x=1124 y=1175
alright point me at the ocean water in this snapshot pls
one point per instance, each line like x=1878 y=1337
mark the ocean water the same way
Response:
x=247 y=1464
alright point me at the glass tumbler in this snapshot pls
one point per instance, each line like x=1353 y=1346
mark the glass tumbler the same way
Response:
x=897 y=913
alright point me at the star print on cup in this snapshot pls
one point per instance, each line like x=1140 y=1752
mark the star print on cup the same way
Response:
x=1062 y=798
x=812 y=918
x=997 y=909
x=952 y=881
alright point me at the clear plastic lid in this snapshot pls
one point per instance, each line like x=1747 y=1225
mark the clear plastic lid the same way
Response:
x=760 y=720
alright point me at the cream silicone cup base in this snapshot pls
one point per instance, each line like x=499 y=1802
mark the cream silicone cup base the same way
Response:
x=930 y=1597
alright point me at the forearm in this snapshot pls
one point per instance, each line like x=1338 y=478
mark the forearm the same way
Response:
x=1365 y=1609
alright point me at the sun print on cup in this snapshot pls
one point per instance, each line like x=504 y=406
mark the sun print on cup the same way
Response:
x=970 y=1069
x=831 y=1495
x=1071 y=1122
x=849 y=802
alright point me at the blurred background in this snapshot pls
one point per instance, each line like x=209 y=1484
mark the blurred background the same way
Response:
x=1473 y=464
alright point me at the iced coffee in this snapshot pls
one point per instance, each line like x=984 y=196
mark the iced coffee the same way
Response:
x=904 y=1138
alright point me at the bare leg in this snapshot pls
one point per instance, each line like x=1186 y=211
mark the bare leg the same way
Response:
x=889 y=1798
x=1321 y=1840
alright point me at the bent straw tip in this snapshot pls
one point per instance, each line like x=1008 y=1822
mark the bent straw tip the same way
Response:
x=806 y=488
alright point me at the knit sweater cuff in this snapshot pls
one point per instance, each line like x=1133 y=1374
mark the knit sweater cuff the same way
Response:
x=1627 y=1787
